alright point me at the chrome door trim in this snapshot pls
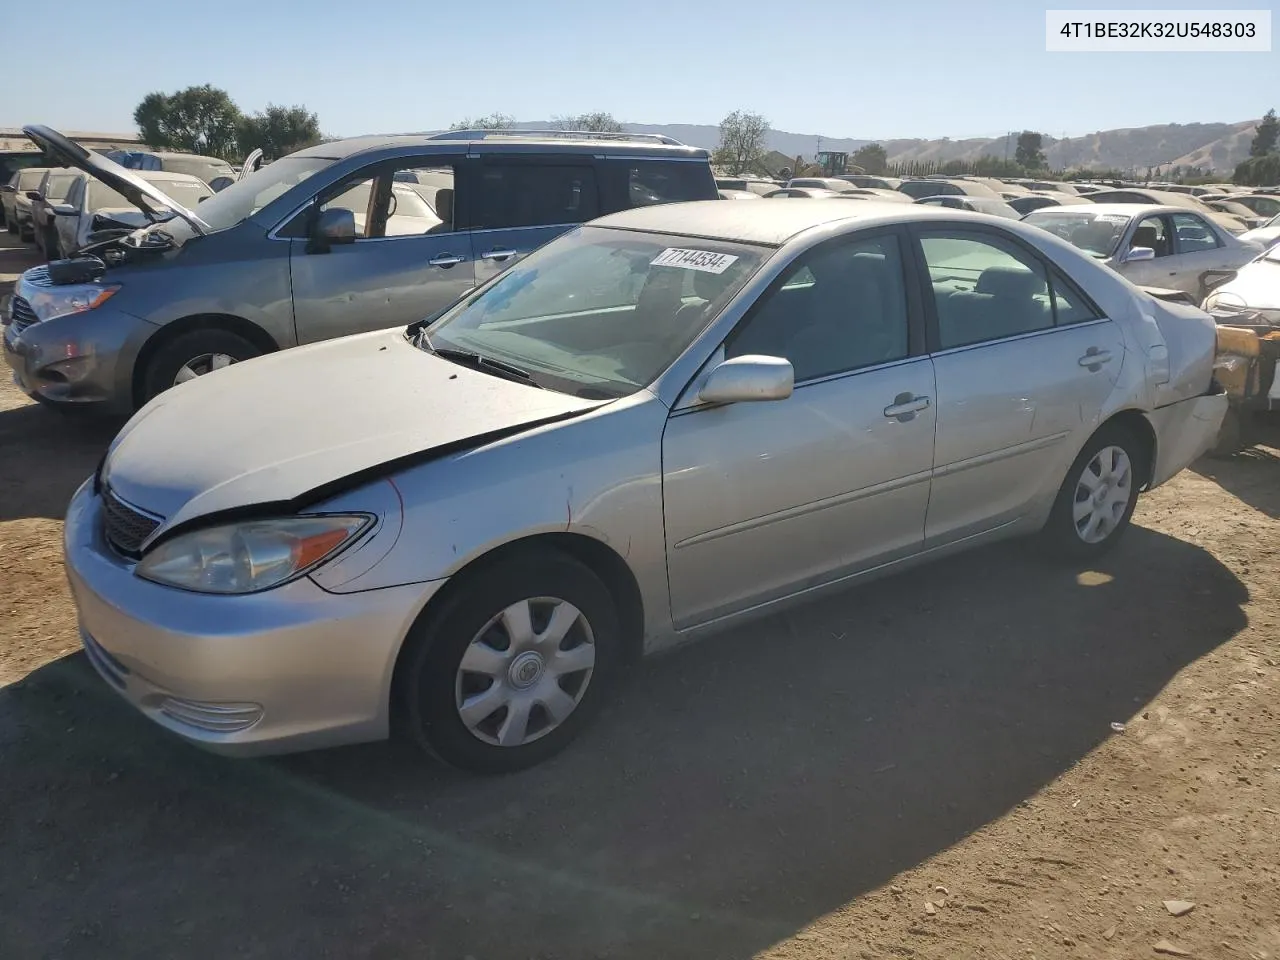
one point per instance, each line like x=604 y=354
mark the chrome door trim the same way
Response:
x=1029 y=446
x=806 y=508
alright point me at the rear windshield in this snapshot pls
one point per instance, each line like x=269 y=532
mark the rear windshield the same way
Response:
x=182 y=191
x=205 y=168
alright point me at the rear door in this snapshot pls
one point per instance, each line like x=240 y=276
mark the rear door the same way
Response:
x=518 y=203
x=1201 y=251
x=1024 y=363
x=412 y=254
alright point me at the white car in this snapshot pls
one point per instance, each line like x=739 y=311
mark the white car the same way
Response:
x=1268 y=234
x=91 y=206
x=1169 y=247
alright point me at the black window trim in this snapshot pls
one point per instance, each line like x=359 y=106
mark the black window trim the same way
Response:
x=916 y=347
x=924 y=283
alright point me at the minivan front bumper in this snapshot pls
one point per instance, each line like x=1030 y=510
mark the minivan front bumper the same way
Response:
x=81 y=359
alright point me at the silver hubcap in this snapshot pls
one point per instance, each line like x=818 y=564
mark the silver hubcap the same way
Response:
x=1102 y=494
x=199 y=366
x=525 y=672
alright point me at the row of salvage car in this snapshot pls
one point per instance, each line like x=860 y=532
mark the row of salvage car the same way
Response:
x=648 y=420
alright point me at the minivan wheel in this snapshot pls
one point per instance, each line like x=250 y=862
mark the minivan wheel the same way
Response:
x=1098 y=496
x=192 y=355
x=509 y=671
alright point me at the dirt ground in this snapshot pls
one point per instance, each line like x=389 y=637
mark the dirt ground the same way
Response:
x=923 y=767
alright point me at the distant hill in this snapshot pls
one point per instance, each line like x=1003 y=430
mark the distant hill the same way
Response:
x=1216 y=146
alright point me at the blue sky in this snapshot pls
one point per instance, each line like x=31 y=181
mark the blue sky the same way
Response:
x=911 y=69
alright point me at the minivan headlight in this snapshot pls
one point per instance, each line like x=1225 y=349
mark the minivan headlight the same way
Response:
x=250 y=556
x=50 y=302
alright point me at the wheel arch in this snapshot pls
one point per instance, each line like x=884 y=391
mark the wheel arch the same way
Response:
x=198 y=321
x=597 y=556
x=1136 y=423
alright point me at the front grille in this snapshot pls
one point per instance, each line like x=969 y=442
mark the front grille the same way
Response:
x=21 y=314
x=125 y=527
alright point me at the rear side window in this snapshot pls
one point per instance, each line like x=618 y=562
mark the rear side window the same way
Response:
x=533 y=195
x=641 y=183
x=1194 y=235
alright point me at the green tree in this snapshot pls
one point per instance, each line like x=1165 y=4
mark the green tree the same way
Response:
x=742 y=142
x=1258 y=171
x=198 y=119
x=598 y=122
x=279 y=131
x=1268 y=133
x=1029 y=154
x=494 y=121
x=871 y=158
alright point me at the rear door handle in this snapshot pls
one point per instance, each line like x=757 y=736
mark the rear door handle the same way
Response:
x=905 y=406
x=446 y=260
x=498 y=255
x=1094 y=358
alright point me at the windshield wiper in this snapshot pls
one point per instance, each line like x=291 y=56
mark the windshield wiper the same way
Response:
x=476 y=361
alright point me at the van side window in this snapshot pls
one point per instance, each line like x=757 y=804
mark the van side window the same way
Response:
x=533 y=195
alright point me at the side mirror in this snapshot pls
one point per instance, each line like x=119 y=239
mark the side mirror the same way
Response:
x=748 y=378
x=62 y=210
x=34 y=195
x=334 y=226
x=1138 y=253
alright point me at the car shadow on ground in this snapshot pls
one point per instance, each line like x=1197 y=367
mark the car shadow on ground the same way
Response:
x=58 y=451
x=1252 y=473
x=735 y=791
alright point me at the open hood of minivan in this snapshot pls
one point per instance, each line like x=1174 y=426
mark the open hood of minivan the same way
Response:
x=143 y=194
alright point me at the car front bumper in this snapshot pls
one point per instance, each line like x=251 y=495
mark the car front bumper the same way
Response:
x=1184 y=432
x=82 y=359
x=288 y=669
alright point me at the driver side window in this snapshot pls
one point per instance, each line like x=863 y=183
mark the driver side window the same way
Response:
x=1151 y=233
x=392 y=202
x=838 y=308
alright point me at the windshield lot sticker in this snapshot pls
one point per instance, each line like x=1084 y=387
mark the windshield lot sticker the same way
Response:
x=703 y=260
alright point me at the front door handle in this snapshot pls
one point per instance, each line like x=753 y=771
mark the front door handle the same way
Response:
x=498 y=255
x=1094 y=358
x=446 y=260
x=905 y=406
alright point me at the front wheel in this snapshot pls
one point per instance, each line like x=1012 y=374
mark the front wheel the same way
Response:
x=192 y=355
x=514 y=664
x=1098 y=496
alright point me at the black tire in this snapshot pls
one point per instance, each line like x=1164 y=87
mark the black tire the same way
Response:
x=427 y=680
x=1061 y=535
x=163 y=367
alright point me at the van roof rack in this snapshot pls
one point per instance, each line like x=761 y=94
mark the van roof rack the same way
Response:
x=555 y=135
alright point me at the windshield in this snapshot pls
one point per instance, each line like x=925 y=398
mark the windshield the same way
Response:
x=1097 y=234
x=102 y=197
x=243 y=199
x=599 y=313
x=184 y=192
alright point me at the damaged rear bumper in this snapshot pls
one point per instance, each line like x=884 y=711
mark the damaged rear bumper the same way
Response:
x=1185 y=431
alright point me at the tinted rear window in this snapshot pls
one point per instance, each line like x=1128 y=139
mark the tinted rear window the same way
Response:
x=531 y=195
x=639 y=183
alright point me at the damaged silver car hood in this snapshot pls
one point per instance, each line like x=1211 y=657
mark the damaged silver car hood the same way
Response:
x=292 y=424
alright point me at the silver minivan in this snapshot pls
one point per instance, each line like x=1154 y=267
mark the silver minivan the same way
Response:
x=348 y=236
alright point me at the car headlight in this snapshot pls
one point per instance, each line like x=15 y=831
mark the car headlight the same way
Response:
x=250 y=556
x=50 y=302
x=1224 y=302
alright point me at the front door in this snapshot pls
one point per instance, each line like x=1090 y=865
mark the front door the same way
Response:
x=1024 y=364
x=520 y=203
x=411 y=256
x=766 y=499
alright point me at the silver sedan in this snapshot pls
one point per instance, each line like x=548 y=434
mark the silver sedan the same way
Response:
x=661 y=424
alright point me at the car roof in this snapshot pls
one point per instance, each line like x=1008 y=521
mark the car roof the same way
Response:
x=341 y=149
x=766 y=224
x=1116 y=209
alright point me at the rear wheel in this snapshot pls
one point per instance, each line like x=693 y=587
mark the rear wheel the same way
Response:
x=513 y=666
x=1098 y=496
x=192 y=355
